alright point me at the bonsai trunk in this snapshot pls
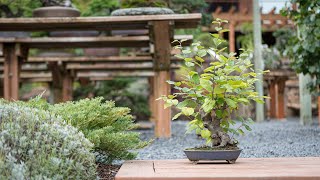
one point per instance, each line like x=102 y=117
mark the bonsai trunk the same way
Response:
x=218 y=136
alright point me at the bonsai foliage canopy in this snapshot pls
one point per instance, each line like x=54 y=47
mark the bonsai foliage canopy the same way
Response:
x=209 y=95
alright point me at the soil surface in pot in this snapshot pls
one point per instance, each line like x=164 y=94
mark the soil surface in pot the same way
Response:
x=107 y=171
x=209 y=148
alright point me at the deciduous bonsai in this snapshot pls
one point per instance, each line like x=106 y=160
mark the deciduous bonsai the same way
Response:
x=209 y=95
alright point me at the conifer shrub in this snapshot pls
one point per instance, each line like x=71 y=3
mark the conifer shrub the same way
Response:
x=108 y=127
x=34 y=144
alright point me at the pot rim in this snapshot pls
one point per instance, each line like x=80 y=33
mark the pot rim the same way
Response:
x=211 y=150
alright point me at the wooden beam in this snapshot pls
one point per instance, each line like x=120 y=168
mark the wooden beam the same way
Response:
x=73 y=42
x=93 y=74
x=37 y=80
x=92 y=59
x=112 y=59
x=96 y=23
x=11 y=72
x=162 y=48
x=28 y=67
x=115 y=67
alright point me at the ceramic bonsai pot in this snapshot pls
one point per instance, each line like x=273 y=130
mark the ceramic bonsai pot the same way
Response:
x=212 y=155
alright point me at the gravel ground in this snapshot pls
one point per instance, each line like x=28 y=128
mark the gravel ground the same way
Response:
x=267 y=139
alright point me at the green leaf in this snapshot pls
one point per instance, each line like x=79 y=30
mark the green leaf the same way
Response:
x=199 y=59
x=186 y=51
x=176 y=116
x=205 y=133
x=240 y=131
x=218 y=28
x=208 y=105
x=215 y=35
x=219 y=113
x=189 y=64
x=187 y=103
x=202 y=53
x=206 y=84
x=218 y=90
x=231 y=103
x=188 y=59
x=224 y=30
x=244 y=100
x=196 y=79
x=187 y=111
x=247 y=127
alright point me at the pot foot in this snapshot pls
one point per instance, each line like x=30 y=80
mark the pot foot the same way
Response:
x=194 y=162
x=231 y=161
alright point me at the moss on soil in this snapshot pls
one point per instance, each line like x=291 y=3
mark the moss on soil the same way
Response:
x=229 y=147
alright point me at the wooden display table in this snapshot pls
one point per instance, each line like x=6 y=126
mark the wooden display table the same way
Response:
x=304 y=168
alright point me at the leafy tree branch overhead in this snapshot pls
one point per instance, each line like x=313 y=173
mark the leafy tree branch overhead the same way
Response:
x=304 y=45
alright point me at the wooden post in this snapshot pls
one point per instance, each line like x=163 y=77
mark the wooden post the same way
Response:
x=1 y=88
x=67 y=87
x=232 y=47
x=305 y=100
x=160 y=32
x=281 y=99
x=11 y=72
x=273 y=98
x=151 y=98
x=319 y=110
x=56 y=85
x=258 y=62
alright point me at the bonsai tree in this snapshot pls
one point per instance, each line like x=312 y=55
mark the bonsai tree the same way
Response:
x=209 y=95
x=96 y=7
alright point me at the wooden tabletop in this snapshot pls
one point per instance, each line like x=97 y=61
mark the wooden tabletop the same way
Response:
x=96 y=23
x=245 y=168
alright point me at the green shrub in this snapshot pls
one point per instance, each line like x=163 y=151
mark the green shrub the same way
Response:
x=117 y=90
x=105 y=125
x=36 y=145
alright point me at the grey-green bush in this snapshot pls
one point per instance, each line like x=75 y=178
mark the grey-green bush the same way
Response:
x=37 y=145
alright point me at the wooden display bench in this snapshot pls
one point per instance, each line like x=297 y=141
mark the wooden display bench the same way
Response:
x=298 y=168
x=161 y=33
x=276 y=85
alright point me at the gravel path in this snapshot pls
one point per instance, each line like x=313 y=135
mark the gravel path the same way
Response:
x=267 y=139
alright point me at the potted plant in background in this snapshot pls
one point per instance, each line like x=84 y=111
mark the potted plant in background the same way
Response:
x=211 y=94
x=142 y=7
x=139 y=7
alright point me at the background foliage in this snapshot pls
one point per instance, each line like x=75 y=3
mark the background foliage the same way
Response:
x=117 y=90
x=304 y=45
x=18 y=8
